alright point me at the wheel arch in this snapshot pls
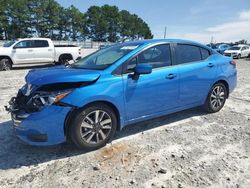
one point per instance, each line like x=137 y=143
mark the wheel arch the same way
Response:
x=8 y=57
x=72 y=113
x=66 y=55
x=223 y=81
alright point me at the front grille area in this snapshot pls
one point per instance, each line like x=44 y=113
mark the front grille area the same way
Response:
x=26 y=103
x=20 y=108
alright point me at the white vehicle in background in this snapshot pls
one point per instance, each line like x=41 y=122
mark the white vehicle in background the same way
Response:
x=238 y=51
x=36 y=50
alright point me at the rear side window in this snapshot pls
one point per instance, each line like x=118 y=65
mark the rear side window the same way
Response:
x=41 y=43
x=186 y=53
x=157 y=56
x=204 y=53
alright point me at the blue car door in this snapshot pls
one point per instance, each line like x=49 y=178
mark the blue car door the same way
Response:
x=197 y=72
x=151 y=93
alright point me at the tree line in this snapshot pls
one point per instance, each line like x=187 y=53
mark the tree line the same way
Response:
x=47 y=18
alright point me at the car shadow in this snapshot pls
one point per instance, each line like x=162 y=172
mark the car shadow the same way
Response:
x=14 y=153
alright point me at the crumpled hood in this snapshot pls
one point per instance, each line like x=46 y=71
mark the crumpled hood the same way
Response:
x=60 y=74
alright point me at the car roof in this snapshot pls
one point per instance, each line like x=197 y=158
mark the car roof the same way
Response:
x=154 y=41
x=35 y=38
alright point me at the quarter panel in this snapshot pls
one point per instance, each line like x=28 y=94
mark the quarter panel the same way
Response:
x=227 y=72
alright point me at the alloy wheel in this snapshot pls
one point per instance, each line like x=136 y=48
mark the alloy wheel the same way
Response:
x=96 y=126
x=218 y=97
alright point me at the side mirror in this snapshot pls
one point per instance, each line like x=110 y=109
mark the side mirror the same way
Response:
x=141 y=69
x=14 y=47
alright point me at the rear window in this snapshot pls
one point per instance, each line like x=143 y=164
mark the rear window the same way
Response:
x=41 y=43
x=186 y=53
x=204 y=53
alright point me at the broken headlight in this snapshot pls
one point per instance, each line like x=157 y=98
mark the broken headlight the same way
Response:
x=42 y=99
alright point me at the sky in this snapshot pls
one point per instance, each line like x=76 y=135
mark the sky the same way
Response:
x=199 y=20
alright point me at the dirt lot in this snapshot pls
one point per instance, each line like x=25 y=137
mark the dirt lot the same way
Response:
x=185 y=149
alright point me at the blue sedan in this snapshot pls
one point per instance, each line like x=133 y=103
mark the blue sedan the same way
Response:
x=88 y=101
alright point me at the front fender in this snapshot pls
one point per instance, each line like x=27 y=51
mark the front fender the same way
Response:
x=109 y=90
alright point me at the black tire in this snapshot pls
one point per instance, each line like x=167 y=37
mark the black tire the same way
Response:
x=5 y=64
x=81 y=126
x=213 y=99
x=238 y=56
x=63 y=59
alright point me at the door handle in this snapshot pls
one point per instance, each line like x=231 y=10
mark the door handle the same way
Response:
x=30 y=50
x=210 y=65
x=50 y=50
x=171 y=76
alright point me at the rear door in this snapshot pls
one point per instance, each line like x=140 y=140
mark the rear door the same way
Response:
x=152 y=93
x=43 y=52
x=197 y=71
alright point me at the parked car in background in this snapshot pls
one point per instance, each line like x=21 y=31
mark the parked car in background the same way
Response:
x=36 y=50
x=238 y=51
x=88 y=101
x=220 y=47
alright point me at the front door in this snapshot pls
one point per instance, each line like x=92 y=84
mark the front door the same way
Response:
x=23 y=52
x=152 y=93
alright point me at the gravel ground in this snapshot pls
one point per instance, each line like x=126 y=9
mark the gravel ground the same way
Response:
x=185 y=149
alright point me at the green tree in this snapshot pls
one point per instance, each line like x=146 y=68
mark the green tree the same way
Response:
x=63 y=25
x=96 y=25
x=133 y=27
x=111 y=18
x=46 y=18
x=107 y=23
x=18 y=18
x=3 y=20
x=241 y=42
x=76 y=23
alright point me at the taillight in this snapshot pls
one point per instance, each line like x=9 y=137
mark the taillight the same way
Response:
x=233 y=63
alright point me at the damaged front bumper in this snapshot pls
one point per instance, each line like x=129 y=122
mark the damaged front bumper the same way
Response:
x=45 y=127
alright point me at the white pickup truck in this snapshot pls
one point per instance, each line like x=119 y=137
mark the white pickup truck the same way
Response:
x=36 y=50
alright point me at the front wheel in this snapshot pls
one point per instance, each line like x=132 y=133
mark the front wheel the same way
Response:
x=5 y=64
x=216 y=98
x=239 y=56
x=93 y=127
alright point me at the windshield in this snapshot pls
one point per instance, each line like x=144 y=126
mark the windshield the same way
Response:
x=105 y=57
x=234 y=48
x=8 y=44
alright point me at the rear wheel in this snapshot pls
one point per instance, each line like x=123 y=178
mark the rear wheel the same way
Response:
x=63 y=59
x=5 y=64
x=216 y=98
x=93 y=127
x=239 y=56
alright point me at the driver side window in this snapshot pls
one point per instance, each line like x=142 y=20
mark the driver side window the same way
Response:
x=24 y=44
x=157 y=56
